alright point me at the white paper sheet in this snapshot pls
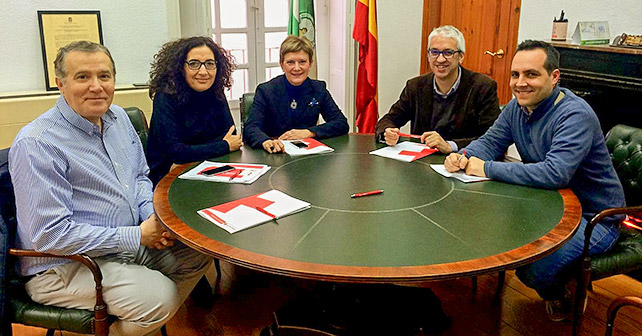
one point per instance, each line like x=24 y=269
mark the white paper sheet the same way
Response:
x=460 y=175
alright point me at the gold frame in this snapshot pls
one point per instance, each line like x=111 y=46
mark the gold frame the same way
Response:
x=59 y=28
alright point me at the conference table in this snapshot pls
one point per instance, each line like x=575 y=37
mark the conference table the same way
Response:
x=423 y=227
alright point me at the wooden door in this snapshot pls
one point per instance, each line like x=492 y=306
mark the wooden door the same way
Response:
x=487 y=25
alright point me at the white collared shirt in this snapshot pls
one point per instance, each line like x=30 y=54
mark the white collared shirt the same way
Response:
x=452 y=89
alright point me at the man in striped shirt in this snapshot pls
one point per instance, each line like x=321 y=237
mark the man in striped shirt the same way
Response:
x=81 y=186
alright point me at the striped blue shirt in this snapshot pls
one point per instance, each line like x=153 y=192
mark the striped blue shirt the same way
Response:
x=77 y=189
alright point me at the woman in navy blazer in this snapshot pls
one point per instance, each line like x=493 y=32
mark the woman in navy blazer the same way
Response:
x=288 y=106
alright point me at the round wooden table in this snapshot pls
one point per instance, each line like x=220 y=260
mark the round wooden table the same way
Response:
x=423 y=227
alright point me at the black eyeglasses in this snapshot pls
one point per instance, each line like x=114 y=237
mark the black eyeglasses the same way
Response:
x=193 y=64
x=448 y=54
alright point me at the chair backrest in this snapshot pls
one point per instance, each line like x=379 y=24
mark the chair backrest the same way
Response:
x=7 y=200
x=7 y=226
x=625 y=145
x=246 y=101
x=137 y=117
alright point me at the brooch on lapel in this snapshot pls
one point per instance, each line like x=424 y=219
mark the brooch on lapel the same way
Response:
x=314 y=102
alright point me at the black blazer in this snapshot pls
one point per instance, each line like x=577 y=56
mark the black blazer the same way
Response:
x=476 y=107
x=269 y=115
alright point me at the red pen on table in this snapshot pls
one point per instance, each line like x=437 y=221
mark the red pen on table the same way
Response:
x=215 y=217
x=263 y=211
x=374 y=192
x=236 y=173
x=406 y=135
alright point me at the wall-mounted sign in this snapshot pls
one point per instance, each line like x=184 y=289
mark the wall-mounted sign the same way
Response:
x=59 y=28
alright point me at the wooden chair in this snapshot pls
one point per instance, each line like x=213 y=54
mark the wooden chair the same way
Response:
x=615 y=306
x=17 y=306
x=625 y=145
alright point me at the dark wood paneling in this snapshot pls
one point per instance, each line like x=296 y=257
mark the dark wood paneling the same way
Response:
x=608 y=78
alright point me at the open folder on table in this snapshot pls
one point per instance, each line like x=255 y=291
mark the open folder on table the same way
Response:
x=460 y=175
x=250 y=211
x=305 y=147
x=407 y=151
x=242 y=173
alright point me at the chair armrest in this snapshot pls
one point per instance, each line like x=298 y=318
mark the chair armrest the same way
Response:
x=100 y=309
x=633 y=210
x=615 y=306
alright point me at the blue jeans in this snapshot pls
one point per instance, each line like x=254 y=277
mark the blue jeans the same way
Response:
x=549 y=275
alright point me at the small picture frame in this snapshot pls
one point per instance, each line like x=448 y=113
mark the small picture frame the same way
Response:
x=59 y=28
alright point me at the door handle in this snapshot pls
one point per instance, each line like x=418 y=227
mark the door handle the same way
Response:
x=499 y=53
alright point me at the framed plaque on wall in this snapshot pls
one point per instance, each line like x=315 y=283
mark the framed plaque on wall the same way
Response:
x=59 y=28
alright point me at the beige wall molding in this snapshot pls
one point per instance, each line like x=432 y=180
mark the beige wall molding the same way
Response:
x=17 y=109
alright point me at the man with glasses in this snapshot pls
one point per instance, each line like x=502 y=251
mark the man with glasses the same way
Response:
x=449 y=107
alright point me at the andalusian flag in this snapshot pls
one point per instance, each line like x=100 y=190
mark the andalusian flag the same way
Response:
x=365 y=33
x=301 y=23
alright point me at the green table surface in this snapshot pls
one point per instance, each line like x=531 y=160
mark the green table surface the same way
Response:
x=423 y=227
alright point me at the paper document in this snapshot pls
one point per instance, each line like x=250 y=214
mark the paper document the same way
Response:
x=407 y=151
x=460 y=175
x=250 y=211
x=242 y=173
x=305 y=147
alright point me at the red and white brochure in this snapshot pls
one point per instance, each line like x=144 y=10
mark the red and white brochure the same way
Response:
x=406 y=151
x=310 y=146
x=245 y=173
x=250 y=211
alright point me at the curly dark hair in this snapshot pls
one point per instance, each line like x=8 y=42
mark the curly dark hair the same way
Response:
x=167 y=74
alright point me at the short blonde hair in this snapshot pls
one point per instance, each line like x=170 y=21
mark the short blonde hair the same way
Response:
x=294 y=43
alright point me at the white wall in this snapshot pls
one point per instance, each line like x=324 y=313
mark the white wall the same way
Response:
x=322 y=27
x=536 y=20
x=192 y=20
x=399 y=41
x=132 y=30
x=337 y=55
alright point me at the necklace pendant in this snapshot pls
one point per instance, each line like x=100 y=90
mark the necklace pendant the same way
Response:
x=293 y=104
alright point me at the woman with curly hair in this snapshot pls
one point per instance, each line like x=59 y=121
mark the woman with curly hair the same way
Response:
x=191 y=120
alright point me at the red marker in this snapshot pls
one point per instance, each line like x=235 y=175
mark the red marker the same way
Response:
x=374 y=192
x=405 y=135
x=236 y=173
x=215 y=217
x=263 y=211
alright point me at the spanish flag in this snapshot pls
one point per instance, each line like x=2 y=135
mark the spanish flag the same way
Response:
x=365 y=33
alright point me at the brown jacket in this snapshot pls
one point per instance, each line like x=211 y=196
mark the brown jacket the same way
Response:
x=476 y=108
